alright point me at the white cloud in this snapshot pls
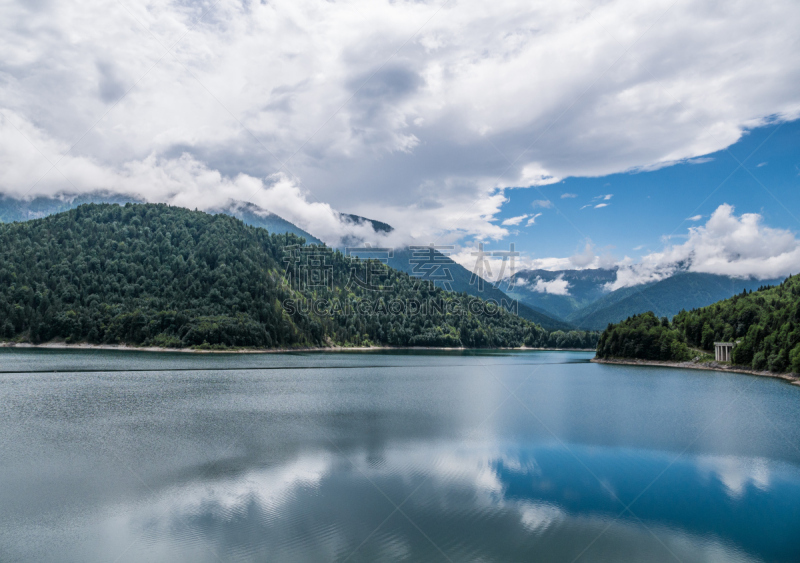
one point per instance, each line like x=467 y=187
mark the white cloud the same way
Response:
x=481 y=262
x=568 y=196
x=558 y=286
x=532 y=220
x=599 y=205
x=728 y=245
x=585 y=258
x=319 y=95
x=608 y=196
x=545 y=203
x=535 y=175
x=761 y=164
x=513 y=221
x=694 y=218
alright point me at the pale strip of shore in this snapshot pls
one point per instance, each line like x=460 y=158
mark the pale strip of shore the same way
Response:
x=710 y=366
x=128 y=348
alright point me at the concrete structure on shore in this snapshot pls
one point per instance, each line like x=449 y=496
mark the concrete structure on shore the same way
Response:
x=722 y=351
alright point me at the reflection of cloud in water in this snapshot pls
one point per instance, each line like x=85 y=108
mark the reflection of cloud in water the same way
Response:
x=736 y=473
x=321 y=507
x=193 y=522
x=270 y=489
x=537 y=517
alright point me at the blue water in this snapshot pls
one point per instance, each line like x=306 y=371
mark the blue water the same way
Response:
x=405 y=456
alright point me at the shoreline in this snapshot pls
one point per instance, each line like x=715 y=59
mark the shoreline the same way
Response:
x=712 y=366
x=128 y=348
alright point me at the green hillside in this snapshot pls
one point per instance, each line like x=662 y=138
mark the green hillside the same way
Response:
x=765 y=324
x=148 y=274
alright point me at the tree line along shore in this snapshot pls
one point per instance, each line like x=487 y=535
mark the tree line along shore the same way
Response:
x=764 y=326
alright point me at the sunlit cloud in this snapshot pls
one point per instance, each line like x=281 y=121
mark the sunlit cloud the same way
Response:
x=513 y=221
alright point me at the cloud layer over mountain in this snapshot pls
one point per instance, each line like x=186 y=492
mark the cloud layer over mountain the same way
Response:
x=737 y=246
x=729 y=245
x=418 y=114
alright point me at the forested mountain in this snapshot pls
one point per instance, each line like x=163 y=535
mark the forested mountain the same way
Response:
x=157 y=275
x=665 y=298
x=765 y=324
x=251 y=214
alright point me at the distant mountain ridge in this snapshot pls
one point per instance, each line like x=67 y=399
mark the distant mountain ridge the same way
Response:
x=584 y=288
x=377 y=226
x=12 y=209
x=666 y=298
x=255 y=216
x=446 y=273
x=462 y=281
x=583 y=300
x=23 y=210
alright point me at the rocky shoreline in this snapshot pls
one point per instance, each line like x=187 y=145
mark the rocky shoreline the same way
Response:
x=794 y=379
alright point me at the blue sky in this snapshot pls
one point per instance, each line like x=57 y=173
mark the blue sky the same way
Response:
x=647 y=206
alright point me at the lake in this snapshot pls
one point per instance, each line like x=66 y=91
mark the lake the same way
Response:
x=391 y=456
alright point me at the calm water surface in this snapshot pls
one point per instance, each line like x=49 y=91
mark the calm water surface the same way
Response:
x=497 y=456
